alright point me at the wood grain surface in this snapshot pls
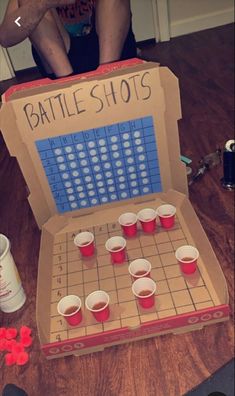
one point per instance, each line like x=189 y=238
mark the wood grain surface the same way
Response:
x=169 y=365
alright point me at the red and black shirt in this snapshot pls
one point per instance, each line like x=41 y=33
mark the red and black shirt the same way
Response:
x=77 y=18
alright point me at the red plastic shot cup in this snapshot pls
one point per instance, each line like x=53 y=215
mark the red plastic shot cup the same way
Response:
x=147 y=218
x=187 y=258
x=139 y=268
x=98 y=303
x=117 y=248
x=166 y=214
x=70 y=308
x=144 y=289
x=85 y=242
x=128 y=222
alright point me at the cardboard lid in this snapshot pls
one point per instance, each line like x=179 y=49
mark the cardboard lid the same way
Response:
x=96 y=140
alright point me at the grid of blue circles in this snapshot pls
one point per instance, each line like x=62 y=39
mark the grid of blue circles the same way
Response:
x=101 y=165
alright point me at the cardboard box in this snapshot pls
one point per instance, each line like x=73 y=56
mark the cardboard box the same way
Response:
x=90 y=148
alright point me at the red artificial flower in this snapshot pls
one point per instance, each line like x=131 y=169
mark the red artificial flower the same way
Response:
x=9 y=345
x=22 y=358
x=3 y=344
x=25 y=331
x=17 y=348
x=10 y=359
x=2 y=332
x=11 y=332
x=26 y=341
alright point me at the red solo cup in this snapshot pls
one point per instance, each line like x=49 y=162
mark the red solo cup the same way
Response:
x=117 y=248
x=128 y=222
x=144 y=289
x=85 y=242
x=147 y=218
x=98 y=303
x=187 y=257
x=166 y=214
x=70 y=308
x=139 y=268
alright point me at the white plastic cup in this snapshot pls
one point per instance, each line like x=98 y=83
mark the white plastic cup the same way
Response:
x=12 y=295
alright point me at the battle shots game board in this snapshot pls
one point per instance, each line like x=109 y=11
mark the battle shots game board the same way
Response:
x=107 y=164
x=92 y=148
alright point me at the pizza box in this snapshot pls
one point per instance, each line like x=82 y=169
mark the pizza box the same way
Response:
x=92 y=147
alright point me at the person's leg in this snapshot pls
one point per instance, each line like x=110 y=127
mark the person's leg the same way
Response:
x=51 y=43
x=130 y=48
x=112 y=25
x=84 y=53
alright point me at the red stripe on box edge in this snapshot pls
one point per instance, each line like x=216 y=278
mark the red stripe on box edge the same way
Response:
x=103 y=69
x=111 y=336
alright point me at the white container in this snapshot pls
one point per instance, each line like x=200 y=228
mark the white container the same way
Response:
x=12 y=295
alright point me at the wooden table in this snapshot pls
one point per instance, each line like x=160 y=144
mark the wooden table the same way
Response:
x=168 y=365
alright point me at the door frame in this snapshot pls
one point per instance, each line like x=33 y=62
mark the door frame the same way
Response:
x=6 y=69
x=161 y=20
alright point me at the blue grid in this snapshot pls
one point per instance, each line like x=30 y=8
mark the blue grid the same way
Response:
x=102 y=165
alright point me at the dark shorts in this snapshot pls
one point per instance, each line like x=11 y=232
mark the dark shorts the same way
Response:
x=84 y=53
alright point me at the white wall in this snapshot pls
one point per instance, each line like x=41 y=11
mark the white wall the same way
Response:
x=6 y=70
x=20 y=54
x=143 y=21
x=187 y=16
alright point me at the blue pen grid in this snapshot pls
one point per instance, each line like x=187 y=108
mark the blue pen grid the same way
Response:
x=102 y=165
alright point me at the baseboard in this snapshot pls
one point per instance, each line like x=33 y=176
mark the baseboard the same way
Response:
x=202 y=22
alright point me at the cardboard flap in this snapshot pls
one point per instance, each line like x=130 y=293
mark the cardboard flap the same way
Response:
x=172 y=99
x=44 y=272
x=18 y=149
x=32 y=87
x=126 y=118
